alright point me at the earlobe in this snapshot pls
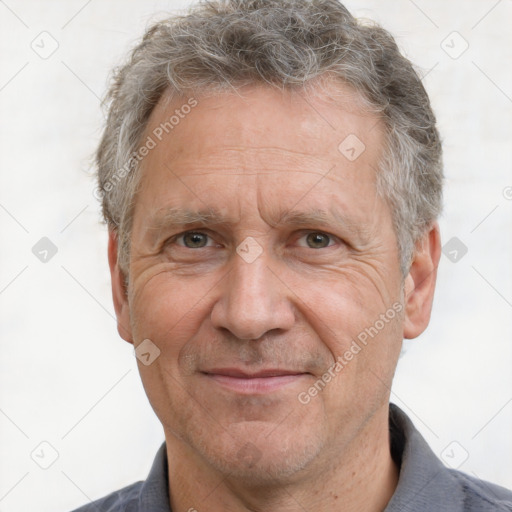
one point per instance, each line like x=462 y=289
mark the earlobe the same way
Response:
x=420 y=283
x=119 y=294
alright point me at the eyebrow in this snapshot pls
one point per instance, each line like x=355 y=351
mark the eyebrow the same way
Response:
x=183 y=218
x=172 y=217
x=298 y=218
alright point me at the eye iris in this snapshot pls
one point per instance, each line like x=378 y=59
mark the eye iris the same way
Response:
x=317 y=240
x=194 y=240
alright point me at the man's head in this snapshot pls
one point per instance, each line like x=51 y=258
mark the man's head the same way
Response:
x=273 y=235
x=222 y=45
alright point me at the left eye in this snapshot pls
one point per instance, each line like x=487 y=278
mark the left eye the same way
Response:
x=193 y=239
x=318 y=240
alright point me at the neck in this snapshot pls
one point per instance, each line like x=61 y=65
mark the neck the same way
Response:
x=360 y=476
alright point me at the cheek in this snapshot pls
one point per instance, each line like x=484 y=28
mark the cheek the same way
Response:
x=168 y=311
x=360 y=321
x=345 y=303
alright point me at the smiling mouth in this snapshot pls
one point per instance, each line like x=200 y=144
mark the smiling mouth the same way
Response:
x=263 y=381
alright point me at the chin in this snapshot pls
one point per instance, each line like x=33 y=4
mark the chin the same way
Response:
x=260 y=460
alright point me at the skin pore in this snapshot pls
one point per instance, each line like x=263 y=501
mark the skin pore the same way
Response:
x=259 y=252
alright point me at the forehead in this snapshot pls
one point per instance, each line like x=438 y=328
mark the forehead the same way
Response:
x=261 y=141
x=308 y=122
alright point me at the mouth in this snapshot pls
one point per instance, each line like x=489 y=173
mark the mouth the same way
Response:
x=263 y=381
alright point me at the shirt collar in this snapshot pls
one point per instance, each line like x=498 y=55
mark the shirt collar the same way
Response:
x=154 y=494
x=424 y=482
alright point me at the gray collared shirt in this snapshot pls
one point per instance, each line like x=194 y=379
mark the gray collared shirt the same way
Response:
x=424 y=485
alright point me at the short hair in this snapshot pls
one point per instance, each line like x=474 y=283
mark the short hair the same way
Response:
x=289 y=44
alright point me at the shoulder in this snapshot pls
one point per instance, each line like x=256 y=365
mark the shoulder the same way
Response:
x=425 y=483
x=482 y=496
x=151 y=494
x=123 y=500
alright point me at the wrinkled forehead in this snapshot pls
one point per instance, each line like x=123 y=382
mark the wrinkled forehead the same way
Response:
x=325 y=92
x=263 y=125
x=262 y=144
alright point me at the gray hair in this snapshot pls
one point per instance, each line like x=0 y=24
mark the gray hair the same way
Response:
x=287 y=44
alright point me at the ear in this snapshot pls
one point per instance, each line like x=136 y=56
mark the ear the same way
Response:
x=420 y=283
x=119 y=294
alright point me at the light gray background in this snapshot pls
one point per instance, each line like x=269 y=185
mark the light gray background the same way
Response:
x=66 y=378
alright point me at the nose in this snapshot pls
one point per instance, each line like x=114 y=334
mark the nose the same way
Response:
x=254 y=301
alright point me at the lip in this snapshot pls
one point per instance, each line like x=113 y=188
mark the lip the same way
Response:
x=263 y=381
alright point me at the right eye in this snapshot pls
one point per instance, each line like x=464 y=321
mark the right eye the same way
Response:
x=193 y=240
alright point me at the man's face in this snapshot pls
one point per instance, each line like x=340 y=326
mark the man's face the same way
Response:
x=260 y=252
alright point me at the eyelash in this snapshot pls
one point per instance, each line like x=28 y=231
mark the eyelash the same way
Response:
x=180 y=236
